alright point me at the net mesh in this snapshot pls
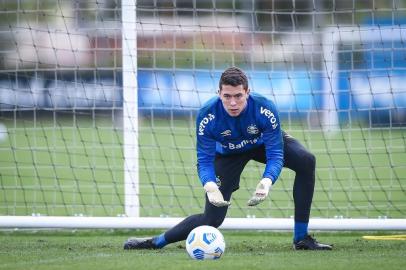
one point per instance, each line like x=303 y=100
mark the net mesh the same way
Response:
x=333 y=68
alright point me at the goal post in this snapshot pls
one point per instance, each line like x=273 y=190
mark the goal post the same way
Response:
x=98 y=101
x=130 y=108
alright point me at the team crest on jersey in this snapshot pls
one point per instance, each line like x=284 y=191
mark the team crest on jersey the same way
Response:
x=252 y=129
x=226 y=133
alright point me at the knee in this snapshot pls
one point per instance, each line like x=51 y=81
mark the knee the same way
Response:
x=308 y=162
x=214 y=221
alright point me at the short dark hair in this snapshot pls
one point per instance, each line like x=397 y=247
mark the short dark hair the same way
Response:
x=234 y=76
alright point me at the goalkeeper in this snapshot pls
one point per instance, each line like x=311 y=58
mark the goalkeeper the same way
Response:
x=232 y=129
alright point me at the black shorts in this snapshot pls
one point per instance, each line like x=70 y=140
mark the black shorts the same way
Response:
x=228 y=168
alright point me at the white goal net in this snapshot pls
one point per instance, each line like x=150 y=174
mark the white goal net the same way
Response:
x=98 y=101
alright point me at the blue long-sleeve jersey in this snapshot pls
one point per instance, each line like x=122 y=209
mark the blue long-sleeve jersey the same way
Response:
x=218 y=132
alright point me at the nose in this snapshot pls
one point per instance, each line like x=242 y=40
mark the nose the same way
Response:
x=233 y=102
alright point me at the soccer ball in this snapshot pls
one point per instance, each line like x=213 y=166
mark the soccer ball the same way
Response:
x=205 y=243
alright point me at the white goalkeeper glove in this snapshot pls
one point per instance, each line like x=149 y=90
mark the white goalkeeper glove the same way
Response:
x=214 y=195
x=261 y=192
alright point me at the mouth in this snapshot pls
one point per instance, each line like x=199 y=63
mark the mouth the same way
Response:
x=234 y=111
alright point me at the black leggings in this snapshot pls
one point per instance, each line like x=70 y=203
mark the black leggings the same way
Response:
x=228 y=171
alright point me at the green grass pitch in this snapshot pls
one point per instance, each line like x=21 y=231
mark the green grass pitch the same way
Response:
x=100 y=250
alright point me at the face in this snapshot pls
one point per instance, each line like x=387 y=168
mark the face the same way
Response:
x=234 y=98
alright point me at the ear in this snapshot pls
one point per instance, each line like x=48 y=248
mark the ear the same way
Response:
x=248 y=92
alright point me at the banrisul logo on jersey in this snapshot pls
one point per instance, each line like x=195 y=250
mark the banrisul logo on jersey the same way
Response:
x=252 y=129
x=204 y=123
x=270 y=115
x=242 y=144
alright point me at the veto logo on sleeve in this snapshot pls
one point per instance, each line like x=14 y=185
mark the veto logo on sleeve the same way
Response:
x=270 y=115
x=204 y=123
